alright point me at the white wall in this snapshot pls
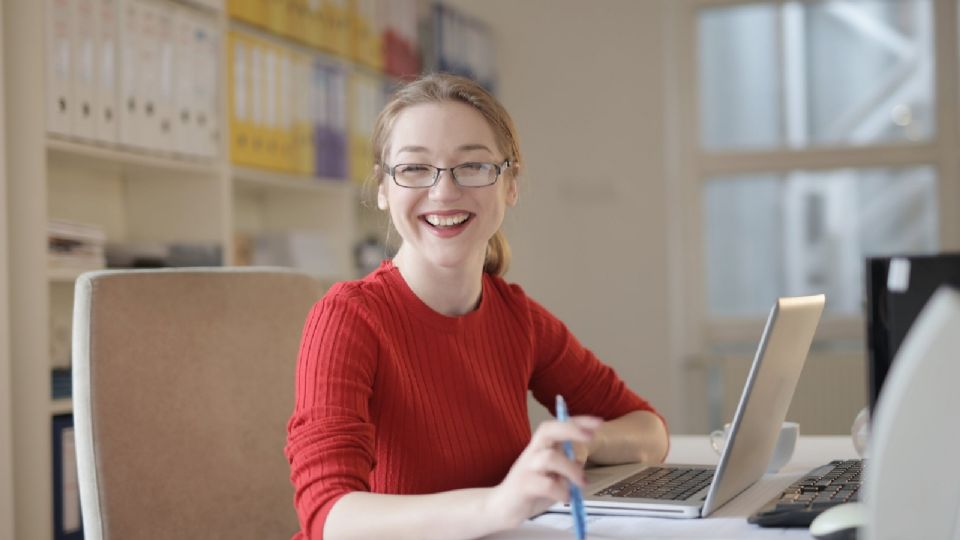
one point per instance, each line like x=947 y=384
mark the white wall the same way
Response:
x=583 y=81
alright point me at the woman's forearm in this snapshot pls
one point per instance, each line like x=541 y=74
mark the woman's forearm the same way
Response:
x=635 y=436
x=459 y=514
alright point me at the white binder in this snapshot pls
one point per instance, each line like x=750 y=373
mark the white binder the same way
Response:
x=105 y=64
x=161 y=127
x=148 y=74
x=207 y=42
x=59 y=94
x=131 y=106
x=185 y=133
x=84 y=124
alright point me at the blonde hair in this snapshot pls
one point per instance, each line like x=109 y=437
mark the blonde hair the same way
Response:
x=438 y=88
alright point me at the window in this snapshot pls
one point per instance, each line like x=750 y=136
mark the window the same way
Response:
x=813 y=137
x=825 y=73
x=807 y=232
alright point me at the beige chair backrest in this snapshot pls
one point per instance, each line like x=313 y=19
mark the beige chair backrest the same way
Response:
x=183 y=383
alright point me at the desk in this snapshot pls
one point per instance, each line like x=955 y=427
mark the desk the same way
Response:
x=727 y=523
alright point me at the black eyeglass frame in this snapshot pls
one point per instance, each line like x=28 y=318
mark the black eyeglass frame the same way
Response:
x=391 y=170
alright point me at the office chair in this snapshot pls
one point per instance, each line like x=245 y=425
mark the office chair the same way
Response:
x=183 y=383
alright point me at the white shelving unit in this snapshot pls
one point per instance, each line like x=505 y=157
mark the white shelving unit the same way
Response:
x=135 y=196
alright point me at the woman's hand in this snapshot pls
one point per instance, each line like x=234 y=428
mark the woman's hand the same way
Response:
x=540 y=476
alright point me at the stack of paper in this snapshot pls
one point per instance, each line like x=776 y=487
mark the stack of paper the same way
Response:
x=75 y=245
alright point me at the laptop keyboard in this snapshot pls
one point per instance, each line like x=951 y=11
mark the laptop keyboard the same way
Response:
x=665 y=483
x=826 y=486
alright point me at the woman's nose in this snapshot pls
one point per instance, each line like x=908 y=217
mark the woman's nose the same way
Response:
x=446 y=187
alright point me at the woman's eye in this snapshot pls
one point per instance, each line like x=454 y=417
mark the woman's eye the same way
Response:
x=412 y=169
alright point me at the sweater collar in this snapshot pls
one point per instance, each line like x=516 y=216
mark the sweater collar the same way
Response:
x=425 y=313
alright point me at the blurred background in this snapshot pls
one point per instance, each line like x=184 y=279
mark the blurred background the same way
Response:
x=686 y=163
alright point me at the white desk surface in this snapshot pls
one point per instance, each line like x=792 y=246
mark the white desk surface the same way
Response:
x=727 y=523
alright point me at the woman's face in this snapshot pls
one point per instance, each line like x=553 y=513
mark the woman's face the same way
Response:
x=446 y=225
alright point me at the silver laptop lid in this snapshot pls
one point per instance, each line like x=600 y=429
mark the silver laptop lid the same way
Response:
x=766 y=396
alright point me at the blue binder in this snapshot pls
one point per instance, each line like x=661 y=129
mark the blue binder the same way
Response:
x=67 y=521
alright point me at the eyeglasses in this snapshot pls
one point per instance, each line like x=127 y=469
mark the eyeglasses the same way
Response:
x=473 y=175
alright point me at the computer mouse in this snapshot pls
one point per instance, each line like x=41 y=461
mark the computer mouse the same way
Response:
x=839 y=523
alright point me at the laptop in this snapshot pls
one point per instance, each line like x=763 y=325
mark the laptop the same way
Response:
x=693 y=491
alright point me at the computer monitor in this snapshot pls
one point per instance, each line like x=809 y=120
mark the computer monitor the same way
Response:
x=897 y=289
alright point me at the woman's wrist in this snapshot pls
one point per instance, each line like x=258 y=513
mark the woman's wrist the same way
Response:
x=495 y=510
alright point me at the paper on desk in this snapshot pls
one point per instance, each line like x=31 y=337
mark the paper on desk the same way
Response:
x=559 y=527
x=728 y=523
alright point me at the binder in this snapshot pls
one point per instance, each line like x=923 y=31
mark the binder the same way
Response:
x=206 y=72
x=318 y=117
x=365 y=18
x=67 y=520
x=84 y=124
x=59 y=91
x=330 y=135
x=241 y=10
x=161 y=128
x=297 y=17
x=276 y=17
x=366 y=95
x=106 y=71
x=185 y=134
x=239 y=97
x=129 y=45
x=271 y=98
x=339 y=23
x=285 y=111
x=148 y=74
x=337 y=122
x=303 y=132
x=314 y=24
x=257 y=104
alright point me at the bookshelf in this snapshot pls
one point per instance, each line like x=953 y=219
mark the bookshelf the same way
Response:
x=135 y=195
x=161 y=184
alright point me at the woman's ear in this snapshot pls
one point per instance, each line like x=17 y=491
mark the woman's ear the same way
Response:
x=381 y=188
x=513 y=191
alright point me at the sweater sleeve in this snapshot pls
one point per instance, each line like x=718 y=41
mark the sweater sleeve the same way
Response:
x=330 y=437
x=564 y=366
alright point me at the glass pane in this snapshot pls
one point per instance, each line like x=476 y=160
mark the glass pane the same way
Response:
x=739 y=97
x=852 y=72
x=769 y=235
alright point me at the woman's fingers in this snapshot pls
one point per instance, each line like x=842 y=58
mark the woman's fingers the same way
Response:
x=579 y=429
x=543 y=473
x=553 y=462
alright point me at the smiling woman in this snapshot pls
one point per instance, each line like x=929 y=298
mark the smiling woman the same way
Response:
x=412 y=382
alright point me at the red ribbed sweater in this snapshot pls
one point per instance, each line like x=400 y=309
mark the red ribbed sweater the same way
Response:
x=393 y=397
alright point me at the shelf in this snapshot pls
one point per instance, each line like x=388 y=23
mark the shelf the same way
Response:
x=130 y=159
x=260 y=178
x=66 y=275
x=61 y=406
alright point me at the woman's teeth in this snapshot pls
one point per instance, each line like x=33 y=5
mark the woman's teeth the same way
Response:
x=446 y=221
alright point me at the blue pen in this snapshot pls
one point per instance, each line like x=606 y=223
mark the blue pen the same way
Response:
x=576 y=498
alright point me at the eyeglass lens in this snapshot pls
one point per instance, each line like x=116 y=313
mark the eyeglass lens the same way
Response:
x=466 y=174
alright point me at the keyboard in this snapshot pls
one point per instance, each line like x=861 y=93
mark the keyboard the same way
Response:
x=826 y=486
x=664 y=483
